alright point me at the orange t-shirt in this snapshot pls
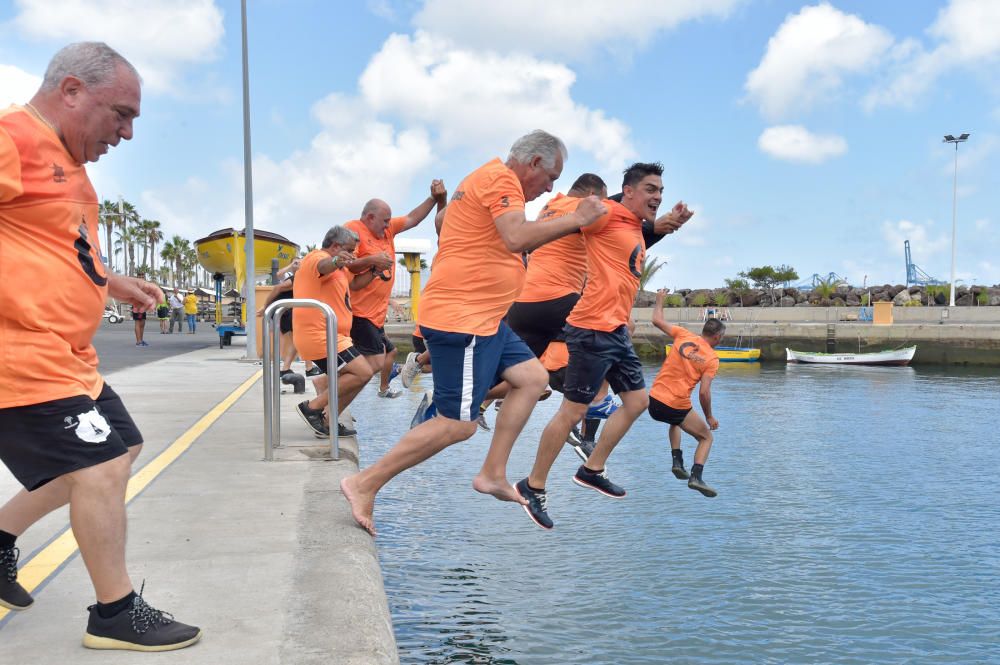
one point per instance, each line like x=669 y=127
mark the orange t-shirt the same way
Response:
x=475 y=278
x=52 y=283
x=372 y=302
x=556 y=356
x=309 y=324
x=615 y=251
x=690 y=359
x=557 y=268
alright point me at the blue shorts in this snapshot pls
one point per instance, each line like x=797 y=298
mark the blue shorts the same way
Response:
x=467 y=366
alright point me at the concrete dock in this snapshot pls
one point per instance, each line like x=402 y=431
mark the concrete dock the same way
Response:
x=263 y=556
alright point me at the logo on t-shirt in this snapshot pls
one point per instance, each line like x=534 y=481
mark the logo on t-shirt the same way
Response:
x=90 y=426
x=504 y=201
x=58 y=174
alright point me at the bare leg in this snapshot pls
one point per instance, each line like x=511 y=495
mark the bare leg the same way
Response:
x=417 y=445
x=352 y=378
x=97 y=515
x=696 y=426
x=288 y=352
x=387 y=360
x=675 y=437
x=25 y=508
x=553 y=439
x=527 y=380
x=634 y=402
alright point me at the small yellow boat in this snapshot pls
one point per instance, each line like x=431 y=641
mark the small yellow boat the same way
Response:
x=733 y=354
x=222 y=252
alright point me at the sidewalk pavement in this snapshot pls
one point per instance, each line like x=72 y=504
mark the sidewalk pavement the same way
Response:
x=263 y=556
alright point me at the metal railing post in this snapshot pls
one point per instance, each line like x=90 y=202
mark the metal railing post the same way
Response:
x=272 y=371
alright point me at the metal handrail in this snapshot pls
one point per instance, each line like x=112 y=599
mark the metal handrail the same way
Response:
x=272 y=371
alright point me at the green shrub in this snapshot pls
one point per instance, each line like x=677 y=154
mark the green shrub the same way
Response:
x=699 y=300
x=865 y=299
x=722 y=299
x=983 y=298
x=674 y=300
x=913 y=303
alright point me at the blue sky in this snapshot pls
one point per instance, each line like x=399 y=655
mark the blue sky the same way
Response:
x=801 y=133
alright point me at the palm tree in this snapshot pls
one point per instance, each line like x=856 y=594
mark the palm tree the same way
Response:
x=149 y=231
x=189 y=261
x=650 y=267
x=125 y=242
x=163 y=274
x=170 y=255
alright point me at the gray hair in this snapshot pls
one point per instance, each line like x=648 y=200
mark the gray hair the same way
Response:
x=539 y=143
x=339 y=235
x=94 y=63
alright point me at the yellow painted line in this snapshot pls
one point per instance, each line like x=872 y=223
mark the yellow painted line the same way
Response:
x=48 y=561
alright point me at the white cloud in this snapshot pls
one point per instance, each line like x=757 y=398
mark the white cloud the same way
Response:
x=16 y=85
x=568 y=28
x=808 y=57
x=382 y=9
x=925 y=241
x=966 y=34
x=795 y=143
x=484 y=100
x=983 y=224
x=159 y=37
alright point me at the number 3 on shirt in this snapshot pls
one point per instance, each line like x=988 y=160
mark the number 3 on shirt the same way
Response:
x=86 y=260
x=635 y=261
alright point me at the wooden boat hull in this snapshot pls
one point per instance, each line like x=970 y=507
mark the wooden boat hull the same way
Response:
x=732 y=354
x=897 y=357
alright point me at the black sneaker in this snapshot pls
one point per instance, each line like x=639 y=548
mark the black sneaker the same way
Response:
x=314 y=371
x=699 y=484
x=344 y=430
x=537 y=504
x=313 y=418
x=680 y=473
x=599 y=482
x=584 y=449
x=12 y=595
x=140 y=628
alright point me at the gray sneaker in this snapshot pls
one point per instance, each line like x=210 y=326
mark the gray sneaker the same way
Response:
x=13 y=596
x=699 y=484
x=139 y=628
x=313 y=418
x=410 y=371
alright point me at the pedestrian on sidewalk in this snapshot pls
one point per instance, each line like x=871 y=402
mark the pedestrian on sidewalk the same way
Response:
x=139 y=318
x=64 y=433
x=190 y=310
x=176 y=311
x=163 y=315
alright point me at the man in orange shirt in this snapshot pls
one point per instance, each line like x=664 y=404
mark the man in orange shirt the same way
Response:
x=376 y=252
x=599 y=343
x=693 y=360
x=323 y=275
x=64 y=433
x=478 y=273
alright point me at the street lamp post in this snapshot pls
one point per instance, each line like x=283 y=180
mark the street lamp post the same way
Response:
x=962 y=138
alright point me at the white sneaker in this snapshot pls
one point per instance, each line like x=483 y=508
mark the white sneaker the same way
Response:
x=411 y=368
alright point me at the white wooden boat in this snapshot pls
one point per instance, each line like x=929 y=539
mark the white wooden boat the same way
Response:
x=894 y=357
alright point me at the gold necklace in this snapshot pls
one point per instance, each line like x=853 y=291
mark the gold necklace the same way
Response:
x=38 y=114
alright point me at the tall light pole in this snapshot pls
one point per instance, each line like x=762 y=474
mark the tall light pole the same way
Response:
x=954 y=208
x=249 y=284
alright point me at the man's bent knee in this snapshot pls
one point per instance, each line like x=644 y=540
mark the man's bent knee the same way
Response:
x=112 y=473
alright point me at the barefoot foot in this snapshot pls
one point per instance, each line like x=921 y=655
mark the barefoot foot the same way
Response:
x=499 y=489
x=361 y=504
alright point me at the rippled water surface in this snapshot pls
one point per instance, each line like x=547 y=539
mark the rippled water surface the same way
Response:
x=857 y=522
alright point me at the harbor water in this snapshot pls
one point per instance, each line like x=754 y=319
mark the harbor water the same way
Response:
x=858 y=521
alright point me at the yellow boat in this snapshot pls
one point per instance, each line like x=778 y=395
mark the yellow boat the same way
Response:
x=733 y=354
x=222 y=252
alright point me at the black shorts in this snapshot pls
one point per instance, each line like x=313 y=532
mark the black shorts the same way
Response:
x=595 y=355
x=538 y=323
x=557 y=379
x=661 y=412
x=40 y=442
x=285 y=322
x=368 y=338
x=344 y=357
x=138 y=316
x=418 y=343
